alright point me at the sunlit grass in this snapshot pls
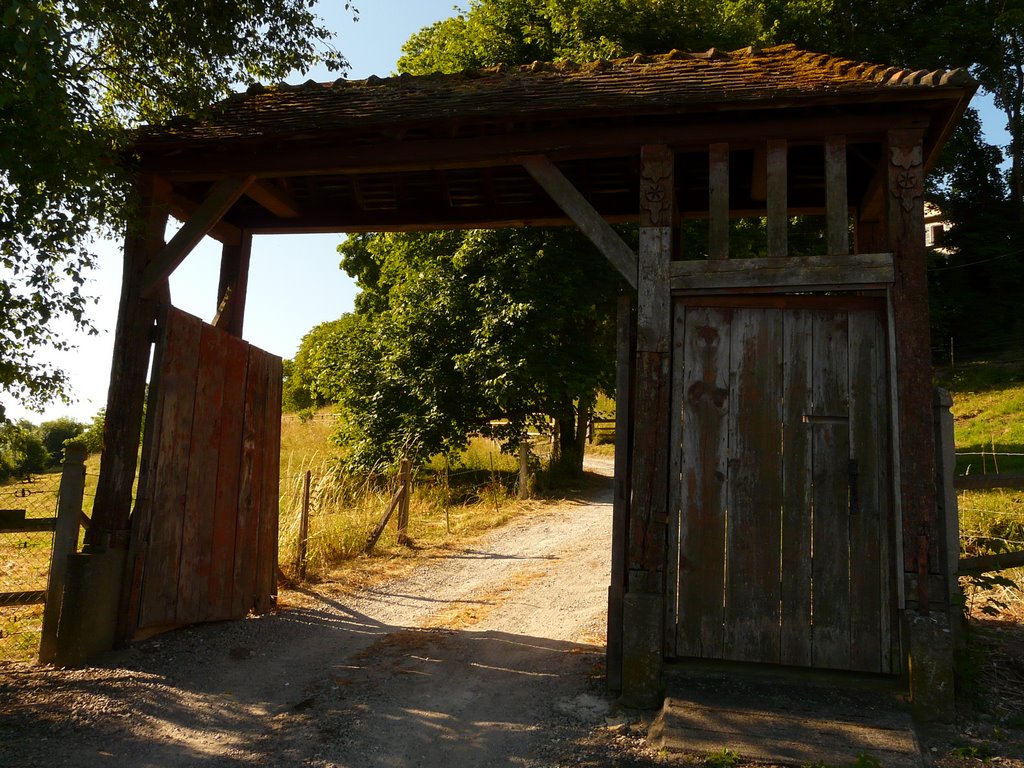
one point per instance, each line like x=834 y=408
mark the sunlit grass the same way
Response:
x=453 y=497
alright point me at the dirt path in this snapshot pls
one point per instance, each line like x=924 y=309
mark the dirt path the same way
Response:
x=488 y=656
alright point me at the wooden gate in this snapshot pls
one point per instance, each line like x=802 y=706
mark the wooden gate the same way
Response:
x=204 y=528
x=783 y=528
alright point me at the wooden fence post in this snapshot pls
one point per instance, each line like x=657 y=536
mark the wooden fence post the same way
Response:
x=300 y=565
x=403 y=509
x=65 y=542
x=524 y=468
x=945 y=459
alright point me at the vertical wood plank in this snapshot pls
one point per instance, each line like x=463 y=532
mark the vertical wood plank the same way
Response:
x=228 y=466
x=704 y=392
x=778 y=206
x=649 y=505
x=913 y=373
x=718 y=201
x=675 y=500
x=870 y=519
x=249 y=494
x=831 y=526
x=795 y=627
x=198 y=524
x=234 y=286
x=176 y=388
x=266 y=569
x=142 y=514
x=753 y=545
x=836 y=205
x=625 y=344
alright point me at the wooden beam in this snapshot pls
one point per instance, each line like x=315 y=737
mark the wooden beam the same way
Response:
x=718 y=201
x=986 y=563
x=234 y=284
x=837 y=209
x=905 y=215
x=778 y=205
x=273 y=198
x=130 y=364
x=793 y=273
x=213 y=163
x=625 y=360
x=184 y=208
x=579 y=209
x=988 y=482
x=219 y=200
x=648 y=512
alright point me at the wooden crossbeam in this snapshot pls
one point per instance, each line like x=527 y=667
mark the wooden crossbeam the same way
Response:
x=579 y=209
x=220 y=199
x=274 y=199
x=183 y=209
x=793 y=273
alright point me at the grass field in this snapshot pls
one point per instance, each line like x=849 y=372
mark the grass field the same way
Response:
x=988 y=410
x=451 y=499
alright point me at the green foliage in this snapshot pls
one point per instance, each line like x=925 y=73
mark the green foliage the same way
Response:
x=454 y=330
x=973 y=751
x=92 y=434
x=53 y=435
x=73 y=75
x=867 y=761
x=724 y=758
x=21 y=450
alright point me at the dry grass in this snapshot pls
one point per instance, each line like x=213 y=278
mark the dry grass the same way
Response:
x=452 y=499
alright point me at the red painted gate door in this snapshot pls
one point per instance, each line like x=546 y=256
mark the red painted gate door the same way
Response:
x=782 y=534
x=204 y=528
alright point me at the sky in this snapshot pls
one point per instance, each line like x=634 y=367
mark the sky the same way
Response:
x=294 y=280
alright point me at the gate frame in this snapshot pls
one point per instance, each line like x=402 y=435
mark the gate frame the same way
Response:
x=230 y=175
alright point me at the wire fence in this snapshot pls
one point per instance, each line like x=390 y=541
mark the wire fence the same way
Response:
x=25 y=563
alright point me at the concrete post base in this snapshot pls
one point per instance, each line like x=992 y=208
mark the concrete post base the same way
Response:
x=642 y=637
x=88 y=618
x=930 y=666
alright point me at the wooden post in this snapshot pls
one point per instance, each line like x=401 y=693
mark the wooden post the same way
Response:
x=65 y=542
x=945 y=461
x=778 y=205
x=718 y=201
x=403 y=509
x=643 y=608
x=304 y=528
x=905 y=209
x=625 y=343
x=524 y=468
x=837 y=212
x=130 y=364
x=234 y=283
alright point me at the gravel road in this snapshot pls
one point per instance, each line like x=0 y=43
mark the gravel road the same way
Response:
x=489 y=655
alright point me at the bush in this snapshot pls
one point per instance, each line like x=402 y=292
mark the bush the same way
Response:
x=54 y=434
x=21 y=450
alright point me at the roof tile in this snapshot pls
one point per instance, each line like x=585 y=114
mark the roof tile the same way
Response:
x=639 y=83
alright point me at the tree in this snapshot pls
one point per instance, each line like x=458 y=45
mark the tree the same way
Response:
x=73 y=75
x=985 y=207
x=460 y=333
x=21 y=450
x=53 y=434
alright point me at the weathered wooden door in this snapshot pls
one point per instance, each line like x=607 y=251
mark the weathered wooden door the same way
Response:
x=204 y=528
x=783 y=514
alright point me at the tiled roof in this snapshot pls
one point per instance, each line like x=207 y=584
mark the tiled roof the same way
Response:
x=639 y=85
